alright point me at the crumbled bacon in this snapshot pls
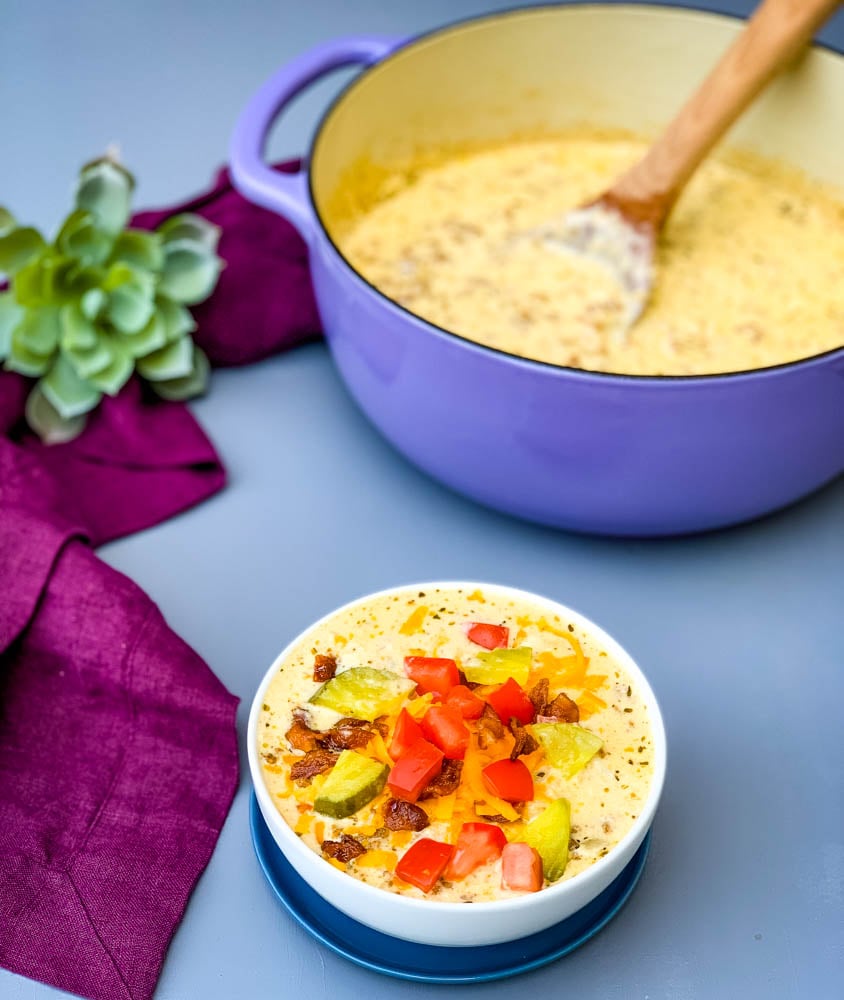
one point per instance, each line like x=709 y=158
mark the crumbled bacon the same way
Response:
x=300 y=736
x=314 y=762
x=347 y=734
x=445 y=782
x=497 y=818
x=343 y=849
x=563 y=709
x=539 y=695
x=382 y=726
x=401 y=815
x=525 y=742
x=325 y=667
x=490 y=727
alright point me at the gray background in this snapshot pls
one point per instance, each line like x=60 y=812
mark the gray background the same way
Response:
x=740 y=631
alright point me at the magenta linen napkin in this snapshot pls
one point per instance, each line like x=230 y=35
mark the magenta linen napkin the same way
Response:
x=118 y=752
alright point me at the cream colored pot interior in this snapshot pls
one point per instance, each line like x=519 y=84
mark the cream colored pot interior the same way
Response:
x=547 y=70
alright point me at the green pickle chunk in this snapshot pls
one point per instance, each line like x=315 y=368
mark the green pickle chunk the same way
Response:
x=353 y=781
x=499 y=664
x=567 y=746
x=549 y=834
x=363 y=692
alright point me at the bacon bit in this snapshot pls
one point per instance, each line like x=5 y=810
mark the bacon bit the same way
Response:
x=382 y=726
x=401 y=815
x=300 y=735
x=539 y=695
x=344 y=849
x=445 y=782
x=347 y=734
x=563 y=709
x=490 y=727
x=525 y=742
x=325 y=667
x=314 y=762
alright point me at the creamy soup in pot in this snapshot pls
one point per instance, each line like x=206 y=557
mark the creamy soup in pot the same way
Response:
x=463 y=745
x=749 y=268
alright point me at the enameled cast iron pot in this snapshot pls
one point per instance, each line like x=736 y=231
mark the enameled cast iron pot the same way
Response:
x=626 y=455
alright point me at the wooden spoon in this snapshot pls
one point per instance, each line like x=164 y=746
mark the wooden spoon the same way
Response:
x=619 y=229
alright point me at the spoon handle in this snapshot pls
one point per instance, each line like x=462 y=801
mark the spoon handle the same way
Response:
x=774 y=34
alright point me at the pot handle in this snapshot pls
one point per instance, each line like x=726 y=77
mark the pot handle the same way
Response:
x=288 y=193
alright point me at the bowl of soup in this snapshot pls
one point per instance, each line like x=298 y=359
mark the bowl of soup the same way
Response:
x=456 y=764
x=493 y=364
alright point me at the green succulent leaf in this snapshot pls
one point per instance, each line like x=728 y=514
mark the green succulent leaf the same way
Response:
x=151 y=338
x=139 y=248
x=10 y=315
x=39 y=330
x=190 y=271
x=131 y=300
x=89 y=361
x=80 y=238
x=117 y=372
x=7 y=221
x=177 y=319
x=173 y=361
x=93 y=302
x=78 y=331
x=105 y=190
x=189 y=226
x=18 y=247
x=66 y=391
x=47 y=422
x=189 y=386
x=24 y=360
x=51 y=279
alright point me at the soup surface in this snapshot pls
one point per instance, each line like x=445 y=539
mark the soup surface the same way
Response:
x=585 y=742
x=749 y=268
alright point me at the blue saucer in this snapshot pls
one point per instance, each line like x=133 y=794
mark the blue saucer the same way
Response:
x=430 y=963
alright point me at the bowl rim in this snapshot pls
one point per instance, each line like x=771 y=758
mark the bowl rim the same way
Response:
x=634 y=836
x=573 y=5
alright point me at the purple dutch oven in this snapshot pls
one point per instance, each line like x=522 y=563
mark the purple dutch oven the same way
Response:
x=594 y=452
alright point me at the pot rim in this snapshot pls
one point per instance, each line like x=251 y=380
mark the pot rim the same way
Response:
x=657 y=6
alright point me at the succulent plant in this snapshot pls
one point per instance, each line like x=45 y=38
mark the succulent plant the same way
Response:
x=101 y=301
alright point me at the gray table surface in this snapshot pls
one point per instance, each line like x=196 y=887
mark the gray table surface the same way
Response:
x=740 y=631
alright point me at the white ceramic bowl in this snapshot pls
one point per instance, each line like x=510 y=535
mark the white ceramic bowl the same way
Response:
x=449 y=923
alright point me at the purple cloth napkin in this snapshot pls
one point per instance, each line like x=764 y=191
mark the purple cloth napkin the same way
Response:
x=118 y=752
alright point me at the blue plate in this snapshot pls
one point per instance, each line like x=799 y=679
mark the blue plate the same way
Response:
x=430 y=963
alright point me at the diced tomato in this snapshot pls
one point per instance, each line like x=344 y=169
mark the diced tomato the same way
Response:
x=488 y=636
x=443 y=726
x=467 y=704
x=521 y=868
x=414 y=769
x=405 y=734
x=509 y=780
x=510 y=701
x=432 y=673
x=423 y=863
x=477 y=844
